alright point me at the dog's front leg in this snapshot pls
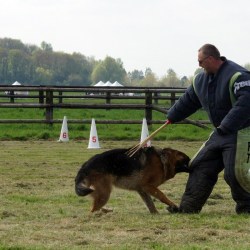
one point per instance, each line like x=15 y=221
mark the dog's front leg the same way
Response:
x=148 y=201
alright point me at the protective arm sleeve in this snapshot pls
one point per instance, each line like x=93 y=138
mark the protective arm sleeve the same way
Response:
x=239 y=116
x=185 y=106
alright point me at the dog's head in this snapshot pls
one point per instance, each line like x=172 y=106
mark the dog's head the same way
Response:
x=174 y=160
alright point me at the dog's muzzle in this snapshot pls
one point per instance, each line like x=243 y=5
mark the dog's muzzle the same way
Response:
x=182 y=168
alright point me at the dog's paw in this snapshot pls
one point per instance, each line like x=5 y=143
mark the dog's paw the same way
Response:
x=106 y=210
x=173 y=209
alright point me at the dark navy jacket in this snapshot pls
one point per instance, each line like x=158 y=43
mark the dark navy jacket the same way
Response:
x=212 y=92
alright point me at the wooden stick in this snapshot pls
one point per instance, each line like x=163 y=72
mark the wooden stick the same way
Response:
x=134 y=149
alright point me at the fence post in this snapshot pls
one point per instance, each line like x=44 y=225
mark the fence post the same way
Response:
x=148 y=109
x=156 y=94
x=108 y=98
x=41 y=97
x=12 y=94
x=172 y=99
x=49 y=109
x=60 y=99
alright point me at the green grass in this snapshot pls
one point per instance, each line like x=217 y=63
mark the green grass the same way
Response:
x=105 y=131
x=39 y=208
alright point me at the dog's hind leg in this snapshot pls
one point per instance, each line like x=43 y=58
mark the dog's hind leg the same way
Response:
x=148 y=201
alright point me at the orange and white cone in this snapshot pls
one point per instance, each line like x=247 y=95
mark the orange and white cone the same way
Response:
x=145 y=133
x=93 y=137
x=64 y=135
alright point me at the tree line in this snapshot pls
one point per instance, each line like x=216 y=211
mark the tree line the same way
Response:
x=39 y=65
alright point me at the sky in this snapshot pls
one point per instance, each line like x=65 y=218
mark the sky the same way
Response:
x=156 y=34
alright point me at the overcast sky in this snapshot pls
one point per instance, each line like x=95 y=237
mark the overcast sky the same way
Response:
x=159 y=34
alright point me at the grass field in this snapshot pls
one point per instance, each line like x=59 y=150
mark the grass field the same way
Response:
x=105 y=131
x=39 y=208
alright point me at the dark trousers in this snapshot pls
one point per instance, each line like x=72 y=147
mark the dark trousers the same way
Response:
x=217 y=153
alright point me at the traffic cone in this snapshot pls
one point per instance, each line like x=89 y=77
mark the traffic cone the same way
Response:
x=93 y=137
x=145 y=133
x=64 y=135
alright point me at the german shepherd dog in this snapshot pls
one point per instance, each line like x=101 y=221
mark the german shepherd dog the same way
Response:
x=144 y=172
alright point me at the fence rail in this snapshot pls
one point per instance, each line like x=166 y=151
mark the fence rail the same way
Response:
x=50 y=98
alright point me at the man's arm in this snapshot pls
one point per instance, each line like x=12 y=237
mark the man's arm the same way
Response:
x=185 y=106
x=239 y=115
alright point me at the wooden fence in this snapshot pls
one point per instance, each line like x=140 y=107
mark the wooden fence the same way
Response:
x=50 y=98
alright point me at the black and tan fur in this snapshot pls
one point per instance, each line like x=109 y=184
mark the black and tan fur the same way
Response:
x=144 y=172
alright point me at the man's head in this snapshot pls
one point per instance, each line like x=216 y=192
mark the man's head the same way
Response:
x=209 y=58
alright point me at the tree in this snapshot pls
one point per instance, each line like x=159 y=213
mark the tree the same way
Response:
x=3 y=65
x=149 y=80
x=8 y=44
x=171 y=79
x=184 y=81
x=83 y=67
x=109 y=70
x=99 y=73
x=74 y=80
x=43 y=76
x=62 y=65
x=35 y=65
x=135 y=77
x=148 y=71
x=46 y=46
x=19 y=66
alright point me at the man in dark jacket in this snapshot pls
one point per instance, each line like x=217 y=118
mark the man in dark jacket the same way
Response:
x=223 y=91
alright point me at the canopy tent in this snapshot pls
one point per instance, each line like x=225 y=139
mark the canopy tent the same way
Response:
x=107 y=84
x=100 y=83
x=117 y=84
x=16 y=83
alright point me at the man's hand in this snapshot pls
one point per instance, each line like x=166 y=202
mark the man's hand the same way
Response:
x=221 y=131
x=168 y=121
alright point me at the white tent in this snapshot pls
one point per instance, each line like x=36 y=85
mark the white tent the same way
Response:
x=16 y=83
x=100 y=83
x=117 y=84
x=107 y=84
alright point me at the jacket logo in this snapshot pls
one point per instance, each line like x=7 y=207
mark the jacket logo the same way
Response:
x=239 y=85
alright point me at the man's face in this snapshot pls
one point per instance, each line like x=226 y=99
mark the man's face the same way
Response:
x=205 y=62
